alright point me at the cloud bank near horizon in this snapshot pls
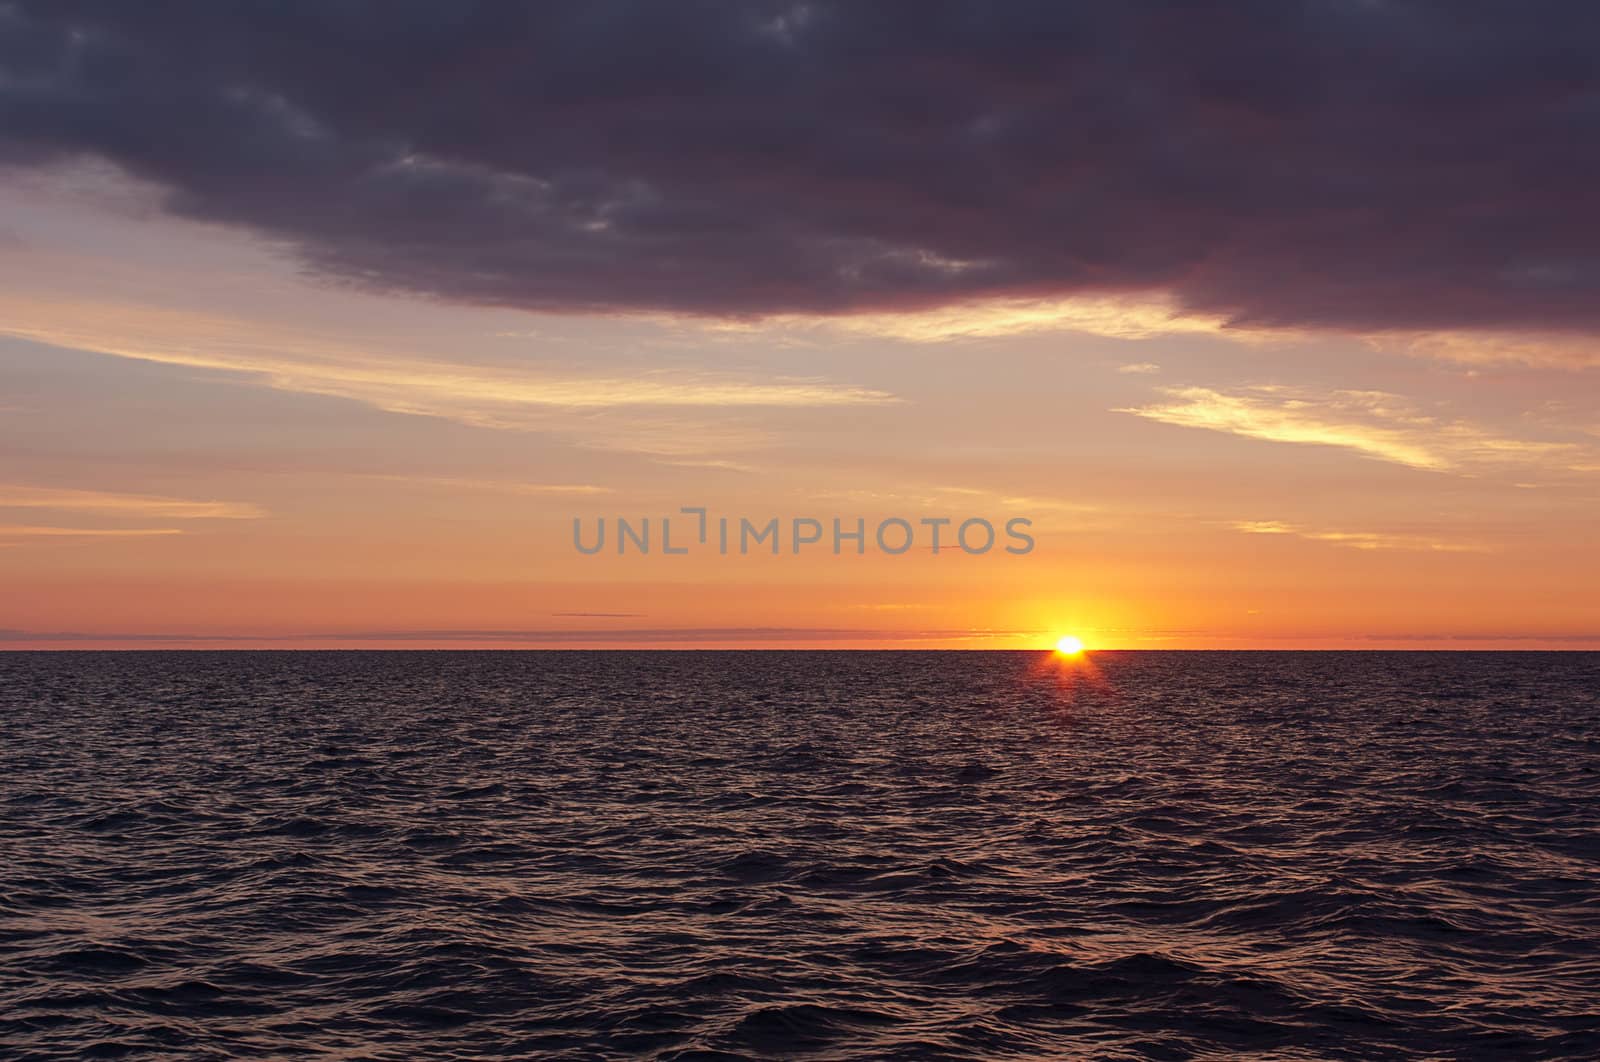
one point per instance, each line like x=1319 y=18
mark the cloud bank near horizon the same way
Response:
x=1337 y=165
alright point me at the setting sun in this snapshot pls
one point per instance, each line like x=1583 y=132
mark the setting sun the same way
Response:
x=1069 y=646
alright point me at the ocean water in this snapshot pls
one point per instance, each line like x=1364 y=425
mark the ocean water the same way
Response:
x=827 y=855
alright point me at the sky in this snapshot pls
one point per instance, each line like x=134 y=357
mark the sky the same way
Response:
x=321 y=324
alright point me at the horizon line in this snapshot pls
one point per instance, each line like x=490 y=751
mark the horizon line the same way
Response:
x=1044 y=650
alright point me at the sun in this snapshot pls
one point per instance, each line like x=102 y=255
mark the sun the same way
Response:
x=1069 y=645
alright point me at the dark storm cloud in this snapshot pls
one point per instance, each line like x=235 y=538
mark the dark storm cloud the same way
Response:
x=1344 y=163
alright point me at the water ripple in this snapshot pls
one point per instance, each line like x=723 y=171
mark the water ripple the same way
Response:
x=829 y=855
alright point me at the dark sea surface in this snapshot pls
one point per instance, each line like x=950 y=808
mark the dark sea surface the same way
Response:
x=823 y=854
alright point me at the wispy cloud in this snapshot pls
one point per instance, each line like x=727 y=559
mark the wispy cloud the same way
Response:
x=23 y=531
x=958 y=498
x=489 y=486
x=17 y=496
x=1540 y=350
x=1363 y=540
x=1139 y=368
x=499 y=396
x=1375 y=424
x=1113 y=316
x=718 y=464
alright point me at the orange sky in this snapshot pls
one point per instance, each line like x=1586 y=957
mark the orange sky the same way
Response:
x=200 y=446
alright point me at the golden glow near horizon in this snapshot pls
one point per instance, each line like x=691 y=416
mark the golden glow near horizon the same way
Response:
x=199 y=447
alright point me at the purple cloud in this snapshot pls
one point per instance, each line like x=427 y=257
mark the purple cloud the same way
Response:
x=1332 y=164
